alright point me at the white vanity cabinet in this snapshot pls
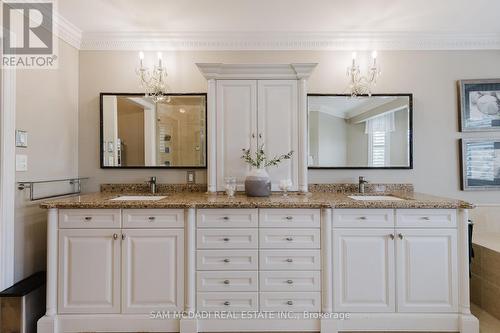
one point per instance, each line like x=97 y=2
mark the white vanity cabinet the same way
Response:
x=122 y=270
x=414 y=259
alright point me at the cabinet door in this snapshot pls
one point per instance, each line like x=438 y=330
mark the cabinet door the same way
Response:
x=153 y=270
x=236 y=128
x=363 y=266
x=278 y=126
x=427 y=270
x=89 y=271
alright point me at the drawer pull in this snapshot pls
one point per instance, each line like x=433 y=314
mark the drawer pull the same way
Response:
x=88 y=218
x=362 y=218
x=151 y=218
x=289 y=302
x=289 y=260
x=289 y=281
x=290 y=239
x=227 y=260
x=225 y=239
x=226 y=281
x=227 y=303
x=289 y=218
x=225 y=218
x=426 y=218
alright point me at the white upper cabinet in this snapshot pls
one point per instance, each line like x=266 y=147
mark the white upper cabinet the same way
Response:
x=236 y=128
x=250 y=104
x=278 y=126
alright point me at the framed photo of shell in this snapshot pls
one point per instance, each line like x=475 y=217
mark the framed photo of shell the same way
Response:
x=480 y=164
x=479 y=105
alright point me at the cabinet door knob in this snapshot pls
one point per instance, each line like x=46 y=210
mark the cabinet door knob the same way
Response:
x=289 y=281
x=115 y=236
x=253 y=135
x=289 y=260
x=226 y=281
x=227 y=260
x=225 y=239
x=362 y=217
x=151 y=218
x=289 y=303
x=401 y=236
x=88 y=218
x=289 y=239
x=391 y=236
x=260 y=135
x=227 y=303
x=123 y=236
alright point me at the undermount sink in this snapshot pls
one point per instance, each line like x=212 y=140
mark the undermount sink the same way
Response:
x=139 y=198
x=375 y=198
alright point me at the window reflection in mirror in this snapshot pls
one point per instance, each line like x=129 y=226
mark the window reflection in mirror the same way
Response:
x=360 y=132
x=136 y=133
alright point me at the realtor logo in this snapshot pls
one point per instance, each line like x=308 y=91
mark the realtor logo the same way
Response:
x=28 y=38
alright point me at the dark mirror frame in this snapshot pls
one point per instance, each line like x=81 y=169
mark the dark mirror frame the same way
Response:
x=101 y=152
x=410 y=135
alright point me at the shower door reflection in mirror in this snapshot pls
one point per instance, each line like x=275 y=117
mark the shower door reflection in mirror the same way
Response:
x=362 y=132
x=137 y=133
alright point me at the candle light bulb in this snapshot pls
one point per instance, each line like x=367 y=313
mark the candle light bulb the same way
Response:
x=159 y=58
x=141 y=58
x=354 y=56
x=374 y=54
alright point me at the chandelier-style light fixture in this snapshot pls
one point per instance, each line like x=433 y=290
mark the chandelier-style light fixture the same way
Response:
x=154 y=80
x=359 y=84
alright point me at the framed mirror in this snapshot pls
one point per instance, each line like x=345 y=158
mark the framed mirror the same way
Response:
x=362 y=132
x=137 y=133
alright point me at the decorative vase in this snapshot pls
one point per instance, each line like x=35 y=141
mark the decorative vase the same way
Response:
x=258 y=183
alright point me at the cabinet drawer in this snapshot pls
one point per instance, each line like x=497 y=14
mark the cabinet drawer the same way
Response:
x=227 y=218
x=362 y=218
x=290 y=281
x=89 y=218
x=428 y=218
x=290 y=260
x=153 y=218
x=227 y=239
x=228 y=260
x=228 y=281
x=289 y=218
x=295 y=302
x=228 y=301
x=289 y=238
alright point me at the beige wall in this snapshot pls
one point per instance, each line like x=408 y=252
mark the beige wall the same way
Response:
x=47 y=102
x=431 y=76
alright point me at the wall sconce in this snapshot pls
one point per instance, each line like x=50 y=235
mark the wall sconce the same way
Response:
x=359 y=84
x=154 y=80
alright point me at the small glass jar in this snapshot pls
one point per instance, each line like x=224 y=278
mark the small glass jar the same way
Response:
x=230 y=186
x=285 y=186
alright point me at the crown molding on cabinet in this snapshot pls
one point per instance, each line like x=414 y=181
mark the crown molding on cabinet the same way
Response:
x=193 y=41
x=256 y=71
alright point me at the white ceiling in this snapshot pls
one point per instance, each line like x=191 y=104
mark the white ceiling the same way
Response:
x=463 y=16
x=464 y=21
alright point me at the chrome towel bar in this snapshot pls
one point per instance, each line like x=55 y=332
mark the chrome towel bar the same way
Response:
x=76 y=182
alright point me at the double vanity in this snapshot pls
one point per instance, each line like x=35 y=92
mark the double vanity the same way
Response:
x=200 y=262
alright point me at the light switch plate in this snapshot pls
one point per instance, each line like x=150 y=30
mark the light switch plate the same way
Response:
x=21 y=139
x=190 y=178
x=21 y=162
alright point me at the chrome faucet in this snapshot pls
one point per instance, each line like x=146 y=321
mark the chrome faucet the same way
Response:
x=361 y=185
x=152 y=185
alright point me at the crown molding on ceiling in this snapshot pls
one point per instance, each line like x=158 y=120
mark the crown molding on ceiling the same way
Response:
x=67 y=31
x=220 y=41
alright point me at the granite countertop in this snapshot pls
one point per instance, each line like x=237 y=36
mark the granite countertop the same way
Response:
x=293 y=200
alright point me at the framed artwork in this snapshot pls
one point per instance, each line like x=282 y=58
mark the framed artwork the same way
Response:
x=480 y=164
x=479 y=105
